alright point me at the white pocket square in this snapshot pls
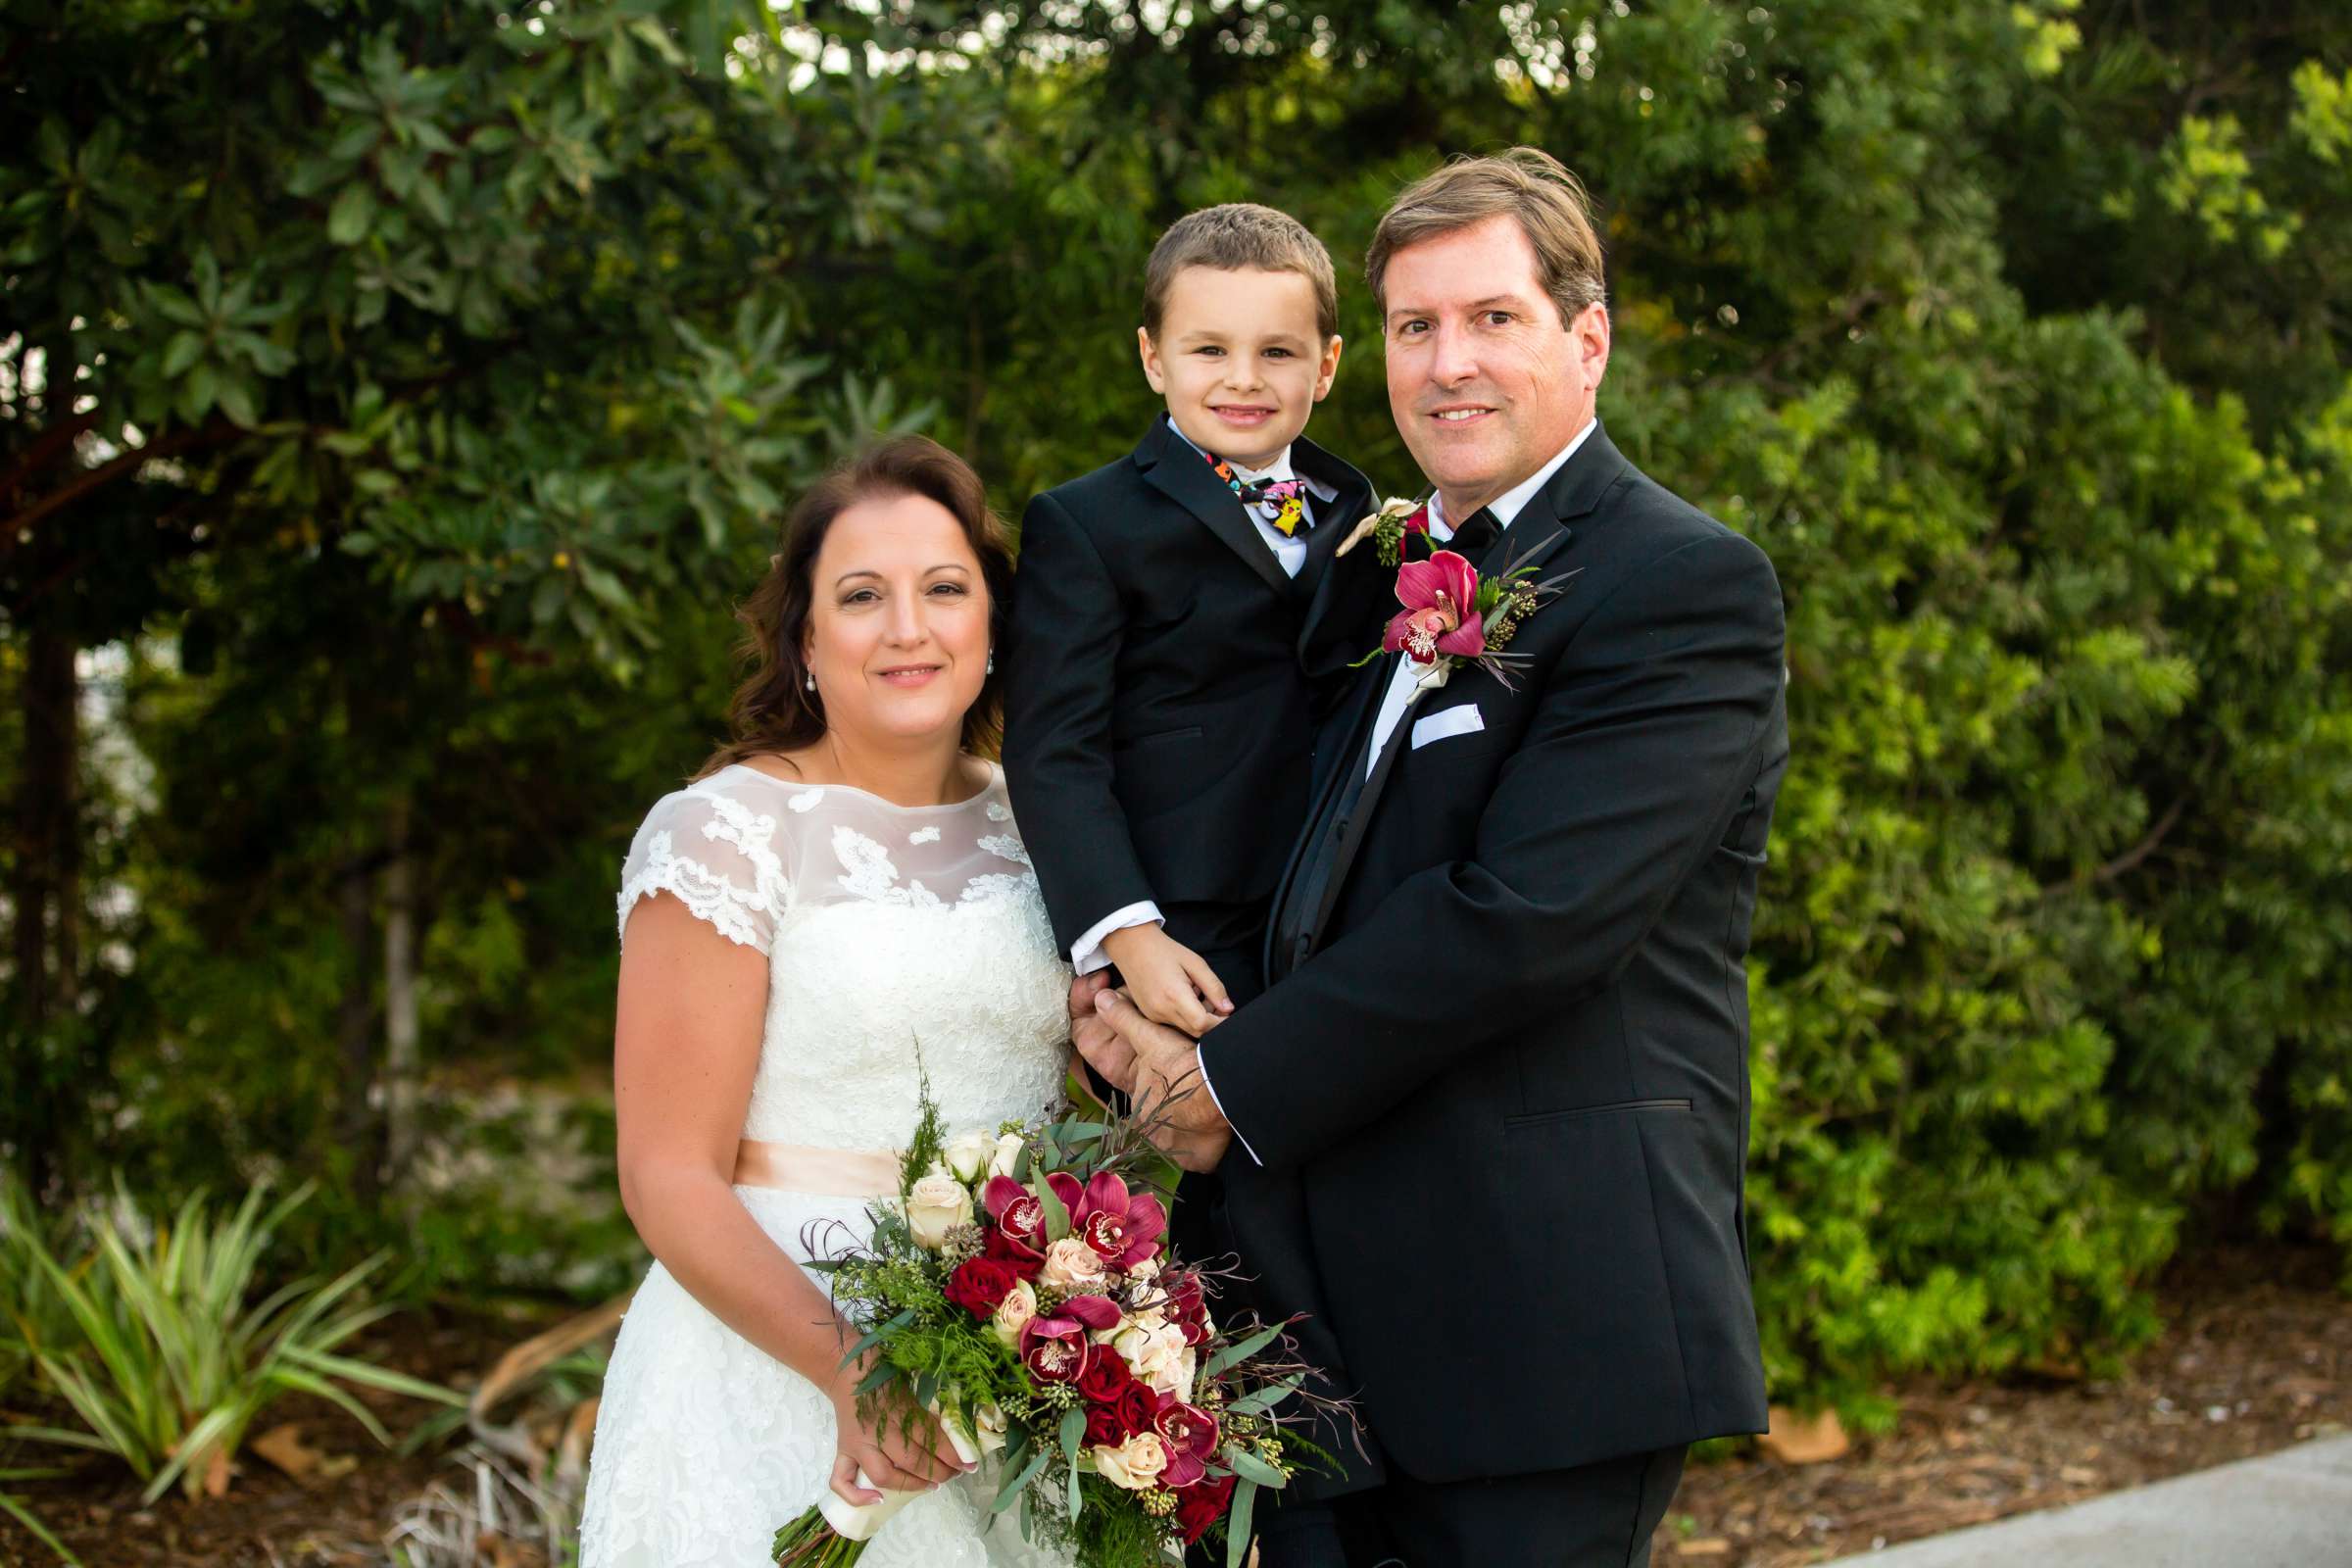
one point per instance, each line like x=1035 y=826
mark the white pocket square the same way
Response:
x=1463 y=719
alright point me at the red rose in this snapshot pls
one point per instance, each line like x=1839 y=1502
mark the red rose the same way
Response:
x=1202 y=1505
x=1138 y=1406
x=1103 y=1428
x=980 y=1283
x=1105 y=1378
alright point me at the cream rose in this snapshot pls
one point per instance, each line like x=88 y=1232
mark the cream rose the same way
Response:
x=1135 y=1464
x=1160 y=1358
x=1154 y=1314
x=1008 y=1149
x=967 y=1155
x=1072 y=1267
x=936 y=1204
x=989 y=1427
x=1013 y=1314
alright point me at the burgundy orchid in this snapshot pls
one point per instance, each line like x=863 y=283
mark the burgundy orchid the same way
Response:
x=1186 y=1305
x=1123 y=1228
x=1003 y=1195
x=1054 y=1349
x=1093 y=1311
x=1019 y=1218
x=1189 y=1435
x=1440 y=616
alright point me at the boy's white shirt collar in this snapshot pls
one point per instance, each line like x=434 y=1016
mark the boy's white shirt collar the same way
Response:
x=1507 y=506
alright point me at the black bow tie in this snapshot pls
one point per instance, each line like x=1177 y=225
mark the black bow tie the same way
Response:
x=1475 y=537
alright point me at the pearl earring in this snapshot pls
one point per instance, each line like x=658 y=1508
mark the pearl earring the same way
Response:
x=992 y=662
x=810 y=680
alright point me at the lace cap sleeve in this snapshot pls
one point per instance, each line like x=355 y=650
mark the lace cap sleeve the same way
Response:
x=717 y=853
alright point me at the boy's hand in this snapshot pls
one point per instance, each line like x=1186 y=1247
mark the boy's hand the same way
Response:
x=1168 y=980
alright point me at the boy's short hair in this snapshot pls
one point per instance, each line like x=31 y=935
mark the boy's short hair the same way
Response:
x=1534 y=188
x=1231 y=238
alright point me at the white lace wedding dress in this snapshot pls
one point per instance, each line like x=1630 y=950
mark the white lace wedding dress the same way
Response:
x=884 y=925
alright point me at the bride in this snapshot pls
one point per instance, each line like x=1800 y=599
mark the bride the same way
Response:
x=842 y=883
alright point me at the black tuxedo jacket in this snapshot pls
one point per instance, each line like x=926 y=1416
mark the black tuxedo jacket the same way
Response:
x=1501 y=1104
x=1160 y=683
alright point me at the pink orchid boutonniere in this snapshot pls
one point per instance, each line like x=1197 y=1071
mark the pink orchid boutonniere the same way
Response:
x=1451 y=614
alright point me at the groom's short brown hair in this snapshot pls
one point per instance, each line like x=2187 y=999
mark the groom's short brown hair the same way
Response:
x=1528 y=184
x=1236 y=236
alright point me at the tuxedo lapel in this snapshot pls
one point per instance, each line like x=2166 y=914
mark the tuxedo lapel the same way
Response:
x=1543 y=524
x=1359 y=816
x=1527 y=553
x=1170 y=466
x=1318 y=581
x=1329 y=805
x=1350 y=499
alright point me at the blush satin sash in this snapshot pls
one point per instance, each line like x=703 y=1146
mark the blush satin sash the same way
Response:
x=822 y=1172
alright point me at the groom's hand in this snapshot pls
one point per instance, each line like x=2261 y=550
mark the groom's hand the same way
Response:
x=1160 y=1069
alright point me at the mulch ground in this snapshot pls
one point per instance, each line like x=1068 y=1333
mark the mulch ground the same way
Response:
x=2258 y=1356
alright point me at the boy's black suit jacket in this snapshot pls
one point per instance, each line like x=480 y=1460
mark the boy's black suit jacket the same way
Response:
x=1502 y=1101
x=1161 y=681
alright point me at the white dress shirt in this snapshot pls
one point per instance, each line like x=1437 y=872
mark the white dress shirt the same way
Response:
x=1290 y=552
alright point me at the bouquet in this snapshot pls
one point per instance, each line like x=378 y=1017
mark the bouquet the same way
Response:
x=1020 y=1293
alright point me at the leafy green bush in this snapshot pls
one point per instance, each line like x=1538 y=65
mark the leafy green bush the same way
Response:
x=172 y=1358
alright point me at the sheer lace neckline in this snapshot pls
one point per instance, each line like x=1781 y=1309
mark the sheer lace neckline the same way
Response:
x=994 y=787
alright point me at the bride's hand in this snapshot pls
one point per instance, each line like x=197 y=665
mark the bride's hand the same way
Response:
x=899 y=1448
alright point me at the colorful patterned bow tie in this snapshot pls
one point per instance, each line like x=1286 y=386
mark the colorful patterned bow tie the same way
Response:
x=1282 y=503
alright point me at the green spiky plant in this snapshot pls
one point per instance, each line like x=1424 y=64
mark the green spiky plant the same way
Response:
x=31 y=1313
x=169 y=1357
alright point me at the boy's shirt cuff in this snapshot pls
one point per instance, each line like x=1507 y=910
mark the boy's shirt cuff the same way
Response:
x=1087 y=954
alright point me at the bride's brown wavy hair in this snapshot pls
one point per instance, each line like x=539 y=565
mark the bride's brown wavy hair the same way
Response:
x=775 y=710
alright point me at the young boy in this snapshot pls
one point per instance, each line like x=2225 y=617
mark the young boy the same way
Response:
x=1177 y=615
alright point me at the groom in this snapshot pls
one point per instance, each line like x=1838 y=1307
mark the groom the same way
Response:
x=1486 y=1125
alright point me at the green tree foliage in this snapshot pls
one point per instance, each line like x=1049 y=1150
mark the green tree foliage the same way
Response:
x=481 y=345
x=379 y=374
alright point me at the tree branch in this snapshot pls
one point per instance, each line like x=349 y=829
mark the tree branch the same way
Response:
x=2132 y=858
x=218 y=432
x=46 y=448
x=2128 y=861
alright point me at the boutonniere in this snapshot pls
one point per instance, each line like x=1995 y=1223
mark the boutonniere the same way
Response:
x=1451 y=614
x=1387 y=527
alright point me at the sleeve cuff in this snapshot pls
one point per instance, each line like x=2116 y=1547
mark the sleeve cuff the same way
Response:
x=1087 y=954
x=1201 y=1062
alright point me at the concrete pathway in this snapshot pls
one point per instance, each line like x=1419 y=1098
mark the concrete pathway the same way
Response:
x=2289 y=1509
